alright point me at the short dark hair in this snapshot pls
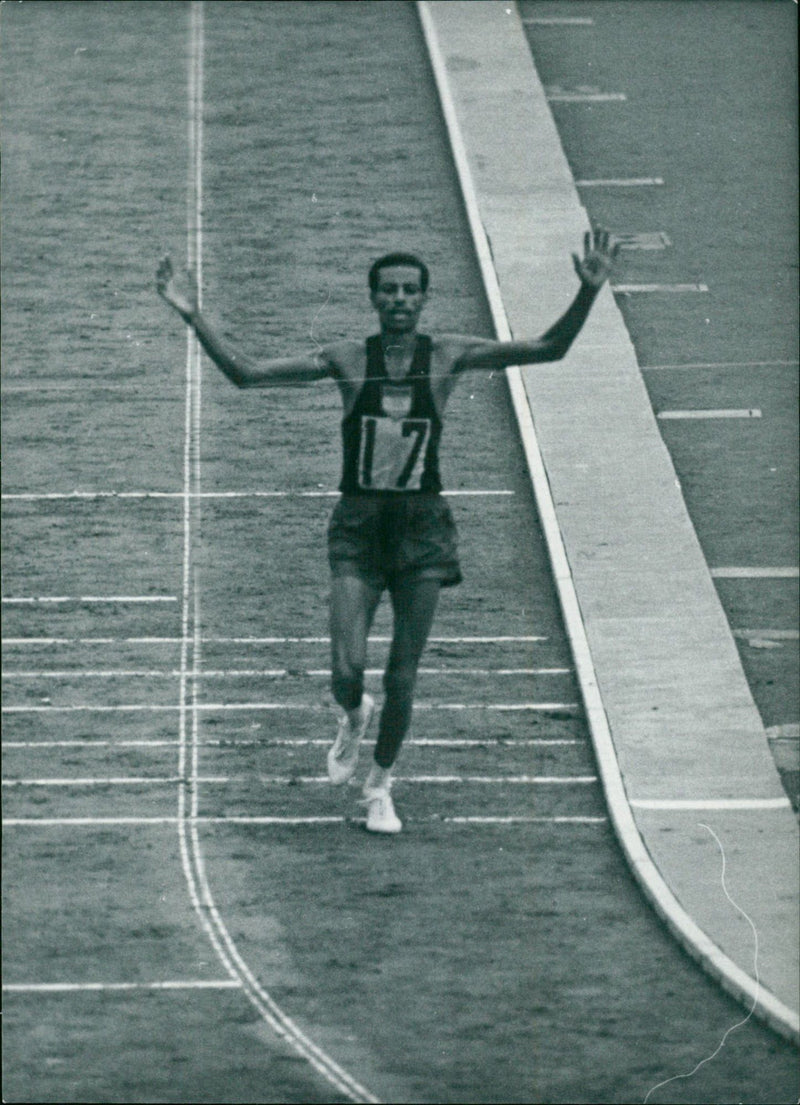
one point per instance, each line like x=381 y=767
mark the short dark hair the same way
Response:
x=398 y=259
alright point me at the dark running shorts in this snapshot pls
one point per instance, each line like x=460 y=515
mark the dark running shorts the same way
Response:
x=386 y=539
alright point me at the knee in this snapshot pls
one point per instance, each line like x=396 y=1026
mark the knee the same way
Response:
x=347 y=685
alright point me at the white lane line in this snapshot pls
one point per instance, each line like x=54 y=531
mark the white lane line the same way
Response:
x=790 y=731
x=89 y=496
x=499 y=706
x=755 y=573
x=267 y=673
x=292 y=706
x=768 y=634
x=75 y=389
x=643 y=240
x=726 y=412
x=716 y=364
x=557 y=21
x=565 y=96
x=24 y=641
x=54 y=599
x=110 y=781
x=523 y=820
x=710 y=803
x=586 y=97
x=189 y=841
x=303 y=742
x=621 y=182
x=111 y=822
x=108 y=674
x=300 y=780
x=100 y=987
x=632 y=289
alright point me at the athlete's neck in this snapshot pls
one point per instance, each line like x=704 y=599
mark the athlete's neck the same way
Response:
x=398 y=343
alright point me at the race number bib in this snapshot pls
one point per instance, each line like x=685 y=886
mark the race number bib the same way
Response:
x=392 y=454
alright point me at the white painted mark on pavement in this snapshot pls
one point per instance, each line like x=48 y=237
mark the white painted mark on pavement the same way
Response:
x=727 y=412
x=755 y=573
x=110 y=822
x=621 y=182
x=88 y=496
x=717 y=364
x=633 y=289
x=558 y=21
x=302 y=742
x=711 y=803
x=30 y=601
x=256 y=706
x=265 y=673
x=645 y=240
x=577 y=96
x=299 y=780
x=99 y=987
x=255 y=640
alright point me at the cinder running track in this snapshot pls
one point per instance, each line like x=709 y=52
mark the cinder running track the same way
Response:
x=190 y=914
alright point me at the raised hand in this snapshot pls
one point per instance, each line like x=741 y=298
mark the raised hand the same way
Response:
x=184 y=302
x=599 y=253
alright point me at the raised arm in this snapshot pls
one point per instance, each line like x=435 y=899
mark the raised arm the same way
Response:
x=240 y=369
x=593 y=269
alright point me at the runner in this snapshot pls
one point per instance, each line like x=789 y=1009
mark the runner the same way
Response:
x=391 y=529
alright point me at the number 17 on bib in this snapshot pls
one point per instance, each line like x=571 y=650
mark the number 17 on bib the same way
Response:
x=392 y=454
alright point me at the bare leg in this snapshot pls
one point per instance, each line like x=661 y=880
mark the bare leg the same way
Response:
x=353 y=606
x=414 y=605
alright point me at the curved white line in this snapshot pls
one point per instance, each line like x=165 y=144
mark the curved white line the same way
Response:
x=190 y=849
x=690 y=935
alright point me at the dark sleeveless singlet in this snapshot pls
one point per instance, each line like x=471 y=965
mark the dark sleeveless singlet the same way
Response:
x=390 y=439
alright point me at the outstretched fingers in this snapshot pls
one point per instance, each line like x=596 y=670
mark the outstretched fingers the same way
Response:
x=602 y=242
x=184 y=302
x=599 y=252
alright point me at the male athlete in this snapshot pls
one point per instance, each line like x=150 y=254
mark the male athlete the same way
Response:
x=391 y=529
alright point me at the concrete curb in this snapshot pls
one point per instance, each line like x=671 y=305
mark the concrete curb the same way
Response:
x=674 y=727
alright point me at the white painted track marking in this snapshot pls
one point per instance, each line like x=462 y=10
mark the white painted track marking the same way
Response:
x=621 y=182
x=291 y=706
x=303 y=742
x=577 y=97
x=558 y=21
x=711 y=803
x=101 y=987
x=255 y=640
x=88 y=496
x=523 y=820
x=298 y=780
x=717 y=364
x=56 y=599
x=755 y=573
x=768 y=634
x=125 y=822
x=191 y=852
x=632 y=289
x=637 y=856
x=266 y=673
x=729 y=412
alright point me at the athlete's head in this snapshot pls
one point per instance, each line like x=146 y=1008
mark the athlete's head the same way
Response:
x=390 y=259
x=398 y=285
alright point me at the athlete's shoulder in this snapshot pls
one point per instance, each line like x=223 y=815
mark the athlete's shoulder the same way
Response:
x=448 y=349
x=344 y=358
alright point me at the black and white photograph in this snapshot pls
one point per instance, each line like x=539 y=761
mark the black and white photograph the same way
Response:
x=400 y=544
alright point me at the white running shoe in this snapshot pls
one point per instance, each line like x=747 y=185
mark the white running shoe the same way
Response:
x=381 y=817
x=343 y=753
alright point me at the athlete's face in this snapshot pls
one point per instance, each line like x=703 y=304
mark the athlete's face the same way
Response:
x=398 y=298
